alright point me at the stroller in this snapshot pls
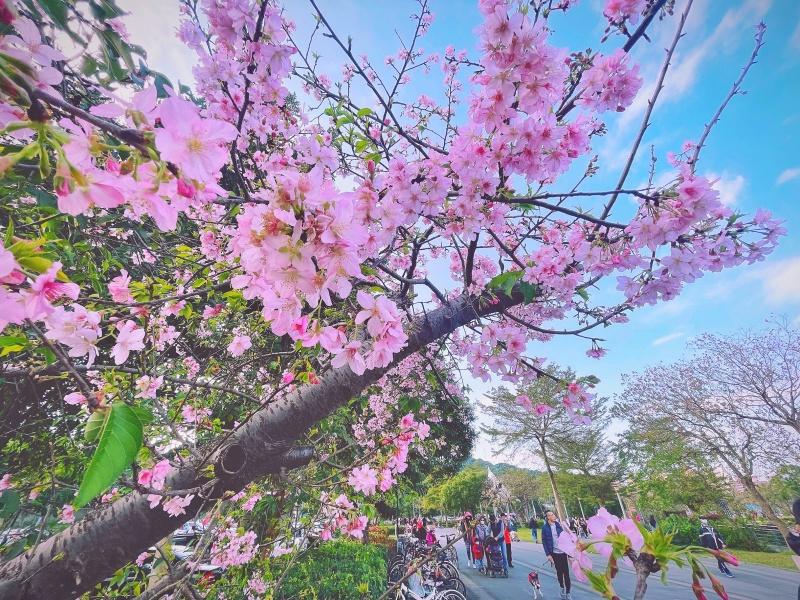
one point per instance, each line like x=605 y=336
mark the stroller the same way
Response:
x=494 y=558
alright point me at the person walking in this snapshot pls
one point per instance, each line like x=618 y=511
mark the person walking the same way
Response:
x=532 y=524
x=482 y=531
x=551 y=529
x=499 y=533
x=709 y=538
x=466 y=528
x=507 y=539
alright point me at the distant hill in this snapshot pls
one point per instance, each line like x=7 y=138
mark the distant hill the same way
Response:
x=497 y=468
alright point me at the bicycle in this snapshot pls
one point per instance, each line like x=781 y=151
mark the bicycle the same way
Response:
x=404 y=593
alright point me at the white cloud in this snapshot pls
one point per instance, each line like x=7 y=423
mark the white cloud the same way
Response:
x=729 y=186
x=787 y=175
x=781 y=281
x=665 y=339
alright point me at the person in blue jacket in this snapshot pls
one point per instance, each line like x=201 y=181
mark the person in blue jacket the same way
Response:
x=551 y=529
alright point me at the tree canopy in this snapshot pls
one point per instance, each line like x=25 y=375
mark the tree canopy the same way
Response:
x=258 y=291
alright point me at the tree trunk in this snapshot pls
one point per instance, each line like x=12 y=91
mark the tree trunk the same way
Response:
x=641 y=584
x=75 y=560
x=766 y=507
x=560 y=509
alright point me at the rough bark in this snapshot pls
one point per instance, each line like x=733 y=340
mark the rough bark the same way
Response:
x=73 y=561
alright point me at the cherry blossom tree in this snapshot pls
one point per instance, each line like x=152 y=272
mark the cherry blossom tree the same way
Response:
x=199 y=278
x=678 y=401
x=753 y=374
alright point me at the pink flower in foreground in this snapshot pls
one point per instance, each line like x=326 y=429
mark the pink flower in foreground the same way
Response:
x=46 y=289
x=67 y=514
x=617 y=11
x=250 y=503
x=363 y=479
x=75 y=399
x=350 y=356
x=355 y=528
x=194 y=415
x=239 y=345
x=130 y=337
x=118 y=288
x=5 y=482
x=145 y=477
x=8 y=264
x=141 y=558
x=176 y=505
x=12 y=308
x=147 y=387
x=196 y=145
x=542 y=409
x=569 y=543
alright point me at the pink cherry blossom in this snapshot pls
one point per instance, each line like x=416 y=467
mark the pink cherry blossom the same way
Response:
x=239 y=345
x=45 y=290
x=194 y=144
x=8 y=263
x=5 y=482
x=147 y=386
x=130 y=338
x=363 y=479
x=140 y=560
x=525 y=402
x=349 y=355
x=67 y=514
x=75 y=399
x=176 y=505
x=118 y=288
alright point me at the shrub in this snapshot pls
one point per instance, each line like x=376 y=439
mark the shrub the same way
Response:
x=736 y=535
x=339 y=569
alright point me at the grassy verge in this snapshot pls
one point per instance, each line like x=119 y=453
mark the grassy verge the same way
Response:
x=779 y=560
x=525 y=534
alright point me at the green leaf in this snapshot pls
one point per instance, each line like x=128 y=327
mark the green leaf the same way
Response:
x=12 y=340
x=529 y=292
x=10 y=349
x=9 y=503
x=94 y=424
x=37 y=264
x=9 y=239
x=582 y=293
x=363 y=112
x=120 y=437
x=505 y=281
x=361 y=145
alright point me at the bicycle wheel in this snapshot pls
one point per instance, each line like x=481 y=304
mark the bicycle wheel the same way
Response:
x=448 y=570
x=454 y=583
x=396 y=572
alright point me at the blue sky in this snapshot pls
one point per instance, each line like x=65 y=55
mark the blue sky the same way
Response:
x=753 y=150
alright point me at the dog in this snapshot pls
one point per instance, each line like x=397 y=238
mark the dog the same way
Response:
x=533 y=579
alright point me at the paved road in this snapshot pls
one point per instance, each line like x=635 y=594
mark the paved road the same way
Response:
x=751 y=582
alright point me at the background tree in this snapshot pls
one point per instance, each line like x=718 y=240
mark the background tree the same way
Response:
x=532 y=420
x=662 y=472
x=753 y=374
x=674 y=395
x=525 y=487
x=464 y=491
